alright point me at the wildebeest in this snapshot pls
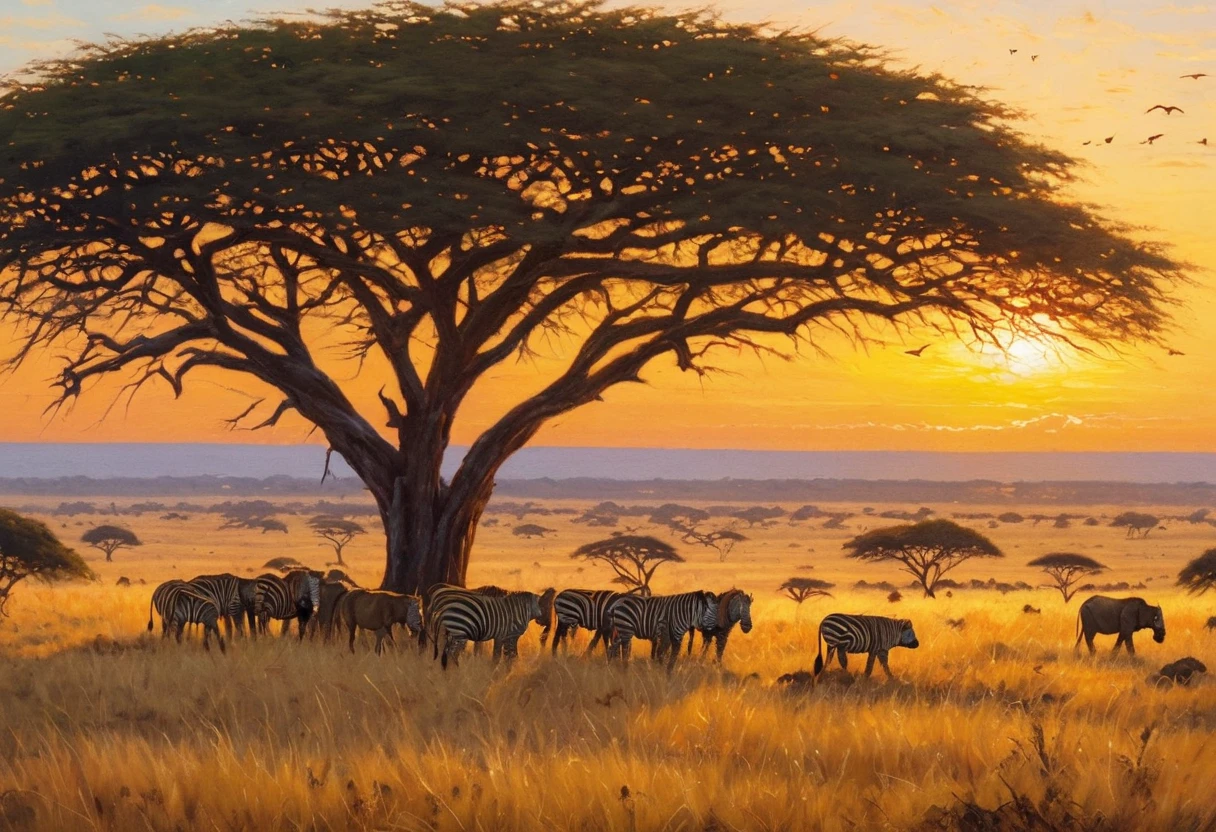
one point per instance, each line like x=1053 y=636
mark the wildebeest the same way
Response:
x=378 y=610
x=871 y=634
x=1108 y=616
x=332 y=593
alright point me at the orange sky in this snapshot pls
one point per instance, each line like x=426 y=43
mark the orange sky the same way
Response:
x=1100 y=66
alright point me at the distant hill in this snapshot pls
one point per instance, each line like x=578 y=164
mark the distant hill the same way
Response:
x=96 y=460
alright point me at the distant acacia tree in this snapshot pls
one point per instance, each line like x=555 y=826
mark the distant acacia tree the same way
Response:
x=1199 y=575
x=28 y=549
x=926 y=550
x=759 y=515
x=455 y=186
x=799 y=590
x=634 y=558
x=1065 y=569
x=530 y=530
x=338 y=531
x=1137 y=523
x=110 y=539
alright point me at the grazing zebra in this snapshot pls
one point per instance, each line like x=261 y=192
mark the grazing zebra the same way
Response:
x=225 y=590
x=663 y=619
x=586 y=608
x=160 y=602
x=734 y=607
x=189 y=606
x=863 y=634
x=296 y=595
x=459 y=616
x=435 y=599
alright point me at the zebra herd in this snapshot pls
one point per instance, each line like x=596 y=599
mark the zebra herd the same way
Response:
x=451 y=617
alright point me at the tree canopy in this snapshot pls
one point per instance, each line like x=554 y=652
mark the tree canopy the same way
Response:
x=110 y=538
x=800 y=589
x=29 y=549
x=452 y=187
x=1137 y=522
x=1066 y=569
x=1199 y=575
x=337 y=531
x=927 y=550
x=634 y=558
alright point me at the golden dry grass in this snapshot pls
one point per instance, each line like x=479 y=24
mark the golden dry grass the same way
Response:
x=105 y=727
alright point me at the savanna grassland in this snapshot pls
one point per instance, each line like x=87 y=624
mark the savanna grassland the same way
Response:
x=996 y=725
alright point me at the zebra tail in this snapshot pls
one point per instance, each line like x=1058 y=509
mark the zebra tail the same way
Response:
x=149 y=615
x=819 y=658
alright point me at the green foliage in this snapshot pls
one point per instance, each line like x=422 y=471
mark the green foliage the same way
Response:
x=800 y=589
x=1066 y=569
x=1199 y=575
x=337 y=531
x=29 y=549
x=1137 y=522
x=109 y=538
x=634 y=558
x=927 y=550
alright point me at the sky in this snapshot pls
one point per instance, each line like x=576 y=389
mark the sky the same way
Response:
x=1099 y=66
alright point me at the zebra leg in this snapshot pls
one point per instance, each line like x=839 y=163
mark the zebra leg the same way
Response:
x=882 y=658
x=677 y=640
x=720 y=643
x=497 y=654
x=1118 y=643
x=477 y=648
x=596 y=639
x=559 y=636
x=181 y=625
x=353 y=628
x=379 y=641
x=510 y=649
x=843 y=656
x=870 y=663
x=286 y=627
x=1131 y=648
x=453 y=646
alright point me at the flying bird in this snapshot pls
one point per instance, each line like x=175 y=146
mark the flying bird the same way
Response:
x=916 y=352
x=1085 y=143
x=1012 y=51
x=1195 y=76
x=1203 y=142
x=1167 y=109
x=1152 y=139
x=1034 y=57
x=1176 y=352
x=1109 y=139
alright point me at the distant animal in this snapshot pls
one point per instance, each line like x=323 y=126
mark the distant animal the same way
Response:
x=378 y=610
x=1181 y=671
x=1152 y=138
x=123 y=581
x=734 y=607
x=956 y=623
x=1109 y=139
x=661 y=618
x=339 y=575
x=188 y=606
x=1124 y=616
x=1203 y=142
x=1167 y=109
x=1173 y=351
x=295 y=596
x=1029 y=610
x=585 y=608
x=869 y=634
x=916 y=352
x=1211 y=625
x=459 y=616
x=1195 y=76
x=161 y=600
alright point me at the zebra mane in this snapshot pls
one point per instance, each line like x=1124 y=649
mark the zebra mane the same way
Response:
x=724 y=605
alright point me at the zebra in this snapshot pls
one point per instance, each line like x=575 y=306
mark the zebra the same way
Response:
x=296 y=595
x=459 y=616
x=189 y=606
x=734 y=607
x=586 y=608
x=225 y=590
x=663 y=619
x=161 y=596
x=435 y=598
x=863 y=634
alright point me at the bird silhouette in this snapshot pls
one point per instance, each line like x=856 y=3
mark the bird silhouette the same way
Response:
x=1195 y=76
x=1109 y=139
x=1166 y=108
x=1152 y=139
x=1013 y=51
x=1084 y=143
x=916 y=352
x=1203 y=142
x=1176 y=352
x=1034 y=57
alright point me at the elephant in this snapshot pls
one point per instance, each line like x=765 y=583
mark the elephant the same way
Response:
x=1123 y=616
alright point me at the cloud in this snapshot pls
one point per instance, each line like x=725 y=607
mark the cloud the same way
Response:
x=37 y=2
x=156 y=13
x=53 y=20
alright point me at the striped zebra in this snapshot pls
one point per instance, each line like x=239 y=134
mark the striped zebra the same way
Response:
x=435 y=598
x=662 y=619
x=457 y=616
x=225 y=590
x=160 y=602
x=297 y=595
x=734 y=607
x=187 y=605
x=871 y=634
x=586 y=608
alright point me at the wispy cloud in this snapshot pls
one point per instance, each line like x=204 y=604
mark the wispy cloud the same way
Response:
x=156 y=13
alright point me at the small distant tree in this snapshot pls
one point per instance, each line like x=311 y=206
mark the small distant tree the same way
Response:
x=109 y=539
x=799 y=590
x=722 y=540
x=677 y=517
x=1199 y=575
x=634 y=558
x=926 y=550
x=1199 y=515
x=338 y=531
x=28 y=549
x=1010 y=517
x=759 y=515
x=530 y=530
x=1065 y=569
x=1136 y=522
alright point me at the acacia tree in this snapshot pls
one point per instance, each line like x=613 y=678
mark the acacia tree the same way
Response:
x=1065 y=569
x=799 y=590
x=109 y=539
x=28 y=549
x=456 y=186
x=634 y=558
x=1137 y=522
x=1199 y=575
x=926 y=550
x=338 y=531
